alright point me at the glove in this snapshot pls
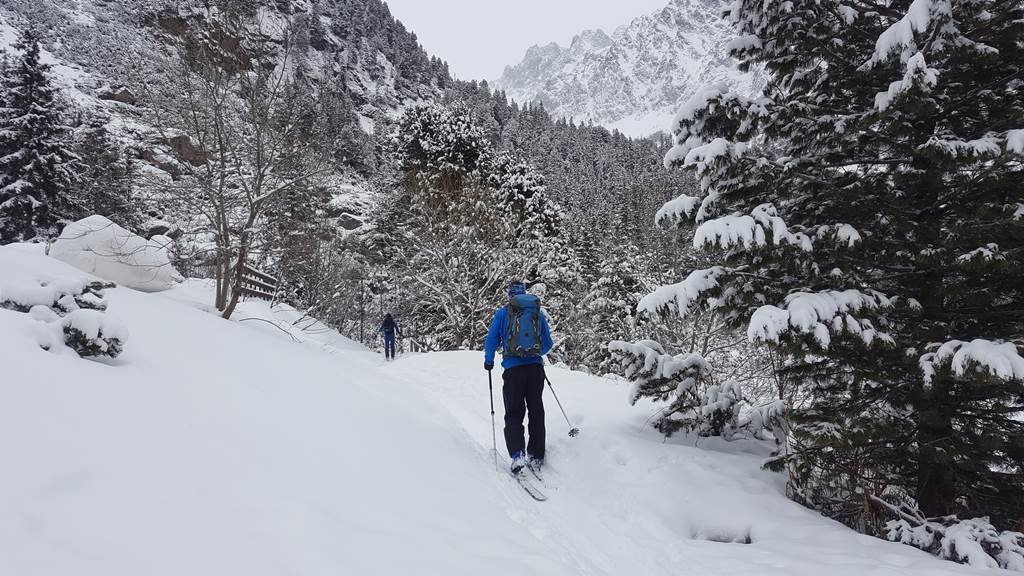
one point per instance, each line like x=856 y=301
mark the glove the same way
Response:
x=488 y=366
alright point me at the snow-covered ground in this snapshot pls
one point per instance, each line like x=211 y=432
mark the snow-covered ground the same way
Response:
x=252 y=447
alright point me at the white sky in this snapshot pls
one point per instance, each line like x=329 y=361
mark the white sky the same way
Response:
x=479 y=38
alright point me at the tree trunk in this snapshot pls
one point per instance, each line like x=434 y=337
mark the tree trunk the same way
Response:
x=236 y=281
x=218 y=297
x=936 y=475
x=223 y=275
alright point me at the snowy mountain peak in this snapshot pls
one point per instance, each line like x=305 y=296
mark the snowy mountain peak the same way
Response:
x=590 y=40
x=635 y=79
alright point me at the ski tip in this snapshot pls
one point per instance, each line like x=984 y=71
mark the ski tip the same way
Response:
x=528 y=486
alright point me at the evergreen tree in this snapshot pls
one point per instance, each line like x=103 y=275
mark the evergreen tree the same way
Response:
x=461 y=222
x=37 y=168
x=607 y=311
x=106 y=176
x=868 y=209
x=300 y=246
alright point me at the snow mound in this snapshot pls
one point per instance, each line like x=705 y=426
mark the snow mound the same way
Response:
x=98 y=246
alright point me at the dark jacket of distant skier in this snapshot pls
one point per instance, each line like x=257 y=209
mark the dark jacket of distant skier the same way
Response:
x=389 y=328
x=522 y=332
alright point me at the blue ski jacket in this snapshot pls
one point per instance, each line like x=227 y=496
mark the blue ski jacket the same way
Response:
x=496 y=339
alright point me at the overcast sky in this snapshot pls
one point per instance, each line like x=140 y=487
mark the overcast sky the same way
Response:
x=479 y=38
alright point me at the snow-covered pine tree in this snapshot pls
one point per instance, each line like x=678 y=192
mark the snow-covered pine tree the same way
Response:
x=37 y=166
x=608 y=308
x=106 y=176
x=679 y=381
x=472 y=218
x=300 y=245
x=870 y=205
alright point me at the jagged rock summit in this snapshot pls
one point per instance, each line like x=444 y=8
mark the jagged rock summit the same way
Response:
x=635 y=79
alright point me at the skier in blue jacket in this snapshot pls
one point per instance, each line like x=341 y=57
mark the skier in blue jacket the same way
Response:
x=523 y=377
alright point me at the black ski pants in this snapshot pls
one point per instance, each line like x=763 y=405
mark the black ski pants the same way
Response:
x=389 y=347
x=523 y=390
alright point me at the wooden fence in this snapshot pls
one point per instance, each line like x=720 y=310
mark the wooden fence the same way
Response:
x=259 y=285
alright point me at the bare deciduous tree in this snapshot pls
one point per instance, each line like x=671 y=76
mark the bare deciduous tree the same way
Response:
x=240 y=124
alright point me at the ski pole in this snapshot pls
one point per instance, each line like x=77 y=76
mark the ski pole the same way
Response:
x=573 y=432
x=494 y=441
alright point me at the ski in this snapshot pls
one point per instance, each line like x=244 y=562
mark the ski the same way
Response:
x=527 y=485
x=536 y=474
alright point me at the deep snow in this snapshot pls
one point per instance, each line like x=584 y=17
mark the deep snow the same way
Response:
x=250 y=447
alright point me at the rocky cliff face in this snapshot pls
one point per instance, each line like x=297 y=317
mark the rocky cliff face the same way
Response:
x=100 y=46
x=109 y=57
x=636 y=78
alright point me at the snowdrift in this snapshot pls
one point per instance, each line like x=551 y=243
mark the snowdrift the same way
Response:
x=211 y=447
x=98 y=246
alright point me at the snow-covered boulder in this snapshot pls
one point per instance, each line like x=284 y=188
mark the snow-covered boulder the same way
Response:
x=98 y=246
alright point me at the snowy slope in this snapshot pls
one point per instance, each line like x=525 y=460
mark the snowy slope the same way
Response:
x=213 y=447
x=636 y=79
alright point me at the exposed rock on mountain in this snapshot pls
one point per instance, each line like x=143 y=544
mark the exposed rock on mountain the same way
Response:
x=635 y=79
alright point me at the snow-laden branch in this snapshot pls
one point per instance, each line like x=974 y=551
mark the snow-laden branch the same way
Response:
x=844 y=234
x=900 y=36
x=704 y=156
x=750 y=231
x=998 y=359
x=973 y=541
x=673 y=211
x=917 y=74
x=819 y=314
x=988 y=146
x=987 y=252
x=645 y=363
x=682 y=294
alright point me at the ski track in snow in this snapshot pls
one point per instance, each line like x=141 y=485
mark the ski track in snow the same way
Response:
x=213 y=448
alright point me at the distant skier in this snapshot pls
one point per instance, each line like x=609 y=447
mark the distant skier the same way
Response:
x=389 y=328
x=524 y=336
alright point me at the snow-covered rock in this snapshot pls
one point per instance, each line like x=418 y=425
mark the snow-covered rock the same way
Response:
x=635 y=79
x=98 y=246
